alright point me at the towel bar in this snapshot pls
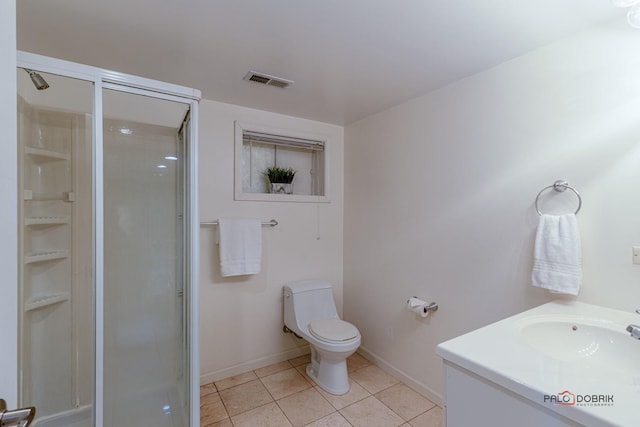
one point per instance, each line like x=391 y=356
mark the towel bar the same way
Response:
x=271 y=223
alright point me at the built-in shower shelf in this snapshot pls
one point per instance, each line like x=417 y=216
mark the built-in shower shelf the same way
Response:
x=45 y=301
x=45 y=155
x=45 y=256
x=47 y=220
x=65 y=196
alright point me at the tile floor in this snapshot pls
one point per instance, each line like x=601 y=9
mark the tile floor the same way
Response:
x=282 y=395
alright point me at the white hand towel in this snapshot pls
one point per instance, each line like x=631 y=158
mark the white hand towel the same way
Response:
x=240 y=246
x=557 y=263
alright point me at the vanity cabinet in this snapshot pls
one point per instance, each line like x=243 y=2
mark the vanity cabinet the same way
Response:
x=472 y=400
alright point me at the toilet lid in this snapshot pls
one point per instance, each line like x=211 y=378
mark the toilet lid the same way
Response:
x=332 y=329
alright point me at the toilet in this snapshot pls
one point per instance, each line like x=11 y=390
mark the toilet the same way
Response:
x=310 y=313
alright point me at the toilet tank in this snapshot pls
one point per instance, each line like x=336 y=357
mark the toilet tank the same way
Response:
x=307 y=300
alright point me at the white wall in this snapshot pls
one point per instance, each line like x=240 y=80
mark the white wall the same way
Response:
x=8 y=219
x=439 y=195
x=241 y=318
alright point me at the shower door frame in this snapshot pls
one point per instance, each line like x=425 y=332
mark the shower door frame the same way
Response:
x=107 y=79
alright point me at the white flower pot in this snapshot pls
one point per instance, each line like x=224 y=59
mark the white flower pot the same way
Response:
x=281 y=188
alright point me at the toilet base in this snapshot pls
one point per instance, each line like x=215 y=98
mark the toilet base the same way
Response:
x=330 y=374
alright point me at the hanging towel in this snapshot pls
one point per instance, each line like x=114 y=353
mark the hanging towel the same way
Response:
x=240 y=246
x=557 y=263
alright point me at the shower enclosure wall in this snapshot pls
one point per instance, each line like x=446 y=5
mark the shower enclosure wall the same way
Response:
x=107 y=221
x=56 y=277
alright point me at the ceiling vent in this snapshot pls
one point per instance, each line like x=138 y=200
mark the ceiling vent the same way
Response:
x=266 y=79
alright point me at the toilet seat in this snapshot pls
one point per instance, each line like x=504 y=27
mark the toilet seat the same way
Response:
x=333 y=330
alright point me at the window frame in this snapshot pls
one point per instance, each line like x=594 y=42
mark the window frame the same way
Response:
x=241 y=127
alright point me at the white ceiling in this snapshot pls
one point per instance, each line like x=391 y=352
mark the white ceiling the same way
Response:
x=348 y=58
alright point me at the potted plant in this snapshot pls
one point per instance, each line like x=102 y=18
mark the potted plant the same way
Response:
x=281 y=179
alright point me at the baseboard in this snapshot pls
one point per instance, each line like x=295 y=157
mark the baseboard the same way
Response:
x=250 y=365
x=421 y=388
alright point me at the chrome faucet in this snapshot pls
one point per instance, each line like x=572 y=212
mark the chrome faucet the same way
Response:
x=634 y=330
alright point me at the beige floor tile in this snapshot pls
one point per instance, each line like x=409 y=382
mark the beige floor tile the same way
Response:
x=301 y=360
x=373 y=379
x=248 y=399
x=207 y=389
x=285 y=383
x=356 y=361
x=235 y=380
x=370 y=412
x=302 y=369
x=355 y=394
x=305 y=407
x=245 y=397
x=211 y=409
x=224 y=423
x=269 y=415
x=404 y=401
x=431 y=418
x=272 y=369
x=333 y=420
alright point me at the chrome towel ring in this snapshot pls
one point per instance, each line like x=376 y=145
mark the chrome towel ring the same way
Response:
x=560 y=185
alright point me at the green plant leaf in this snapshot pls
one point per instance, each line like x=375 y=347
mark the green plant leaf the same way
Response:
x=276 y=174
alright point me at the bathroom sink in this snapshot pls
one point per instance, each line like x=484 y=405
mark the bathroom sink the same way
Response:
x=582 y=341
x=561 y=347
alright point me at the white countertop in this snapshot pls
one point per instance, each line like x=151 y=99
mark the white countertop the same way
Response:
x=499 y=353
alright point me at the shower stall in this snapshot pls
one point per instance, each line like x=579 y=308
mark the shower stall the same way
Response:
x=107 y=240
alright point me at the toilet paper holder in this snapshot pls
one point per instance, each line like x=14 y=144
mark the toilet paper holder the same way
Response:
x=432 y=306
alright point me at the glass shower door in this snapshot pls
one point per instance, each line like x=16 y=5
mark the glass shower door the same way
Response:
x=56 y=287
x=145 y=380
